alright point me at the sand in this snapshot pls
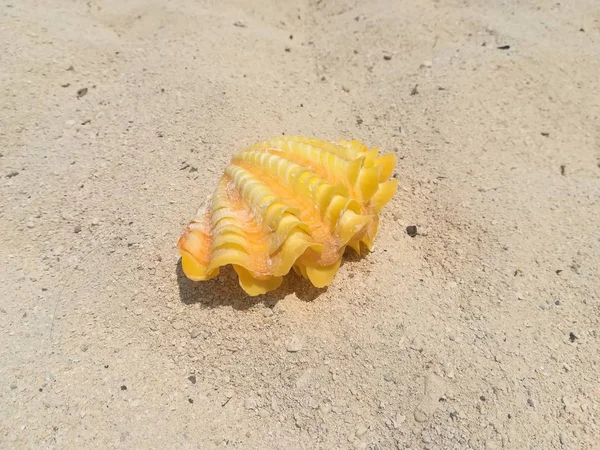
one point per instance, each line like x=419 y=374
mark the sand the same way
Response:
x=481 y=332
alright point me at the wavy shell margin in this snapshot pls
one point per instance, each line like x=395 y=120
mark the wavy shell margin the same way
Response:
x=289 y=203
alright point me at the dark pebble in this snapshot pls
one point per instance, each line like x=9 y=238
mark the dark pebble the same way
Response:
x=411 y=230
x=192 y=379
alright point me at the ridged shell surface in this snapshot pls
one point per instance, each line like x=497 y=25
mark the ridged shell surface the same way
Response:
x=289 y=203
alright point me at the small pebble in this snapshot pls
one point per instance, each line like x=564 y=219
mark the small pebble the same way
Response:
x=267 y=312
x=411 y=230
x=195 y=332
x=192 y=379
x=178 y=325
x=400 y=419
x=388 y=377
x=239 y=23
x=417 y=344
x=30 y=224
x=491 y=445
x=294 y=345
x=77 y=229
x=361 y=430
x=420 y=416
x=13 y=386
x=572 y=337
x=250 y=403
x=95 y=221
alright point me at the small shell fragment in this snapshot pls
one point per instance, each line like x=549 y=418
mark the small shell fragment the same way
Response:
x=289 y=203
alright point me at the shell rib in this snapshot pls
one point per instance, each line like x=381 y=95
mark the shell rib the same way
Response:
x=289 y=203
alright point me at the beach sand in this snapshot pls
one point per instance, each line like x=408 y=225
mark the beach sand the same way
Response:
x=117 y=119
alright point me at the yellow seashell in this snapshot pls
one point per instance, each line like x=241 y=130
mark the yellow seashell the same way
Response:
x=289 y=203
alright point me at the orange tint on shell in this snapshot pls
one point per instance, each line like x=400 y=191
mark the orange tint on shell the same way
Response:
x=289 y=203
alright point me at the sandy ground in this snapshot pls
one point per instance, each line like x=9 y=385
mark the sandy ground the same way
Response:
x=482 y=332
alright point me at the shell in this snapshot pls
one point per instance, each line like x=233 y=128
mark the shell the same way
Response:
x=289 y=202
